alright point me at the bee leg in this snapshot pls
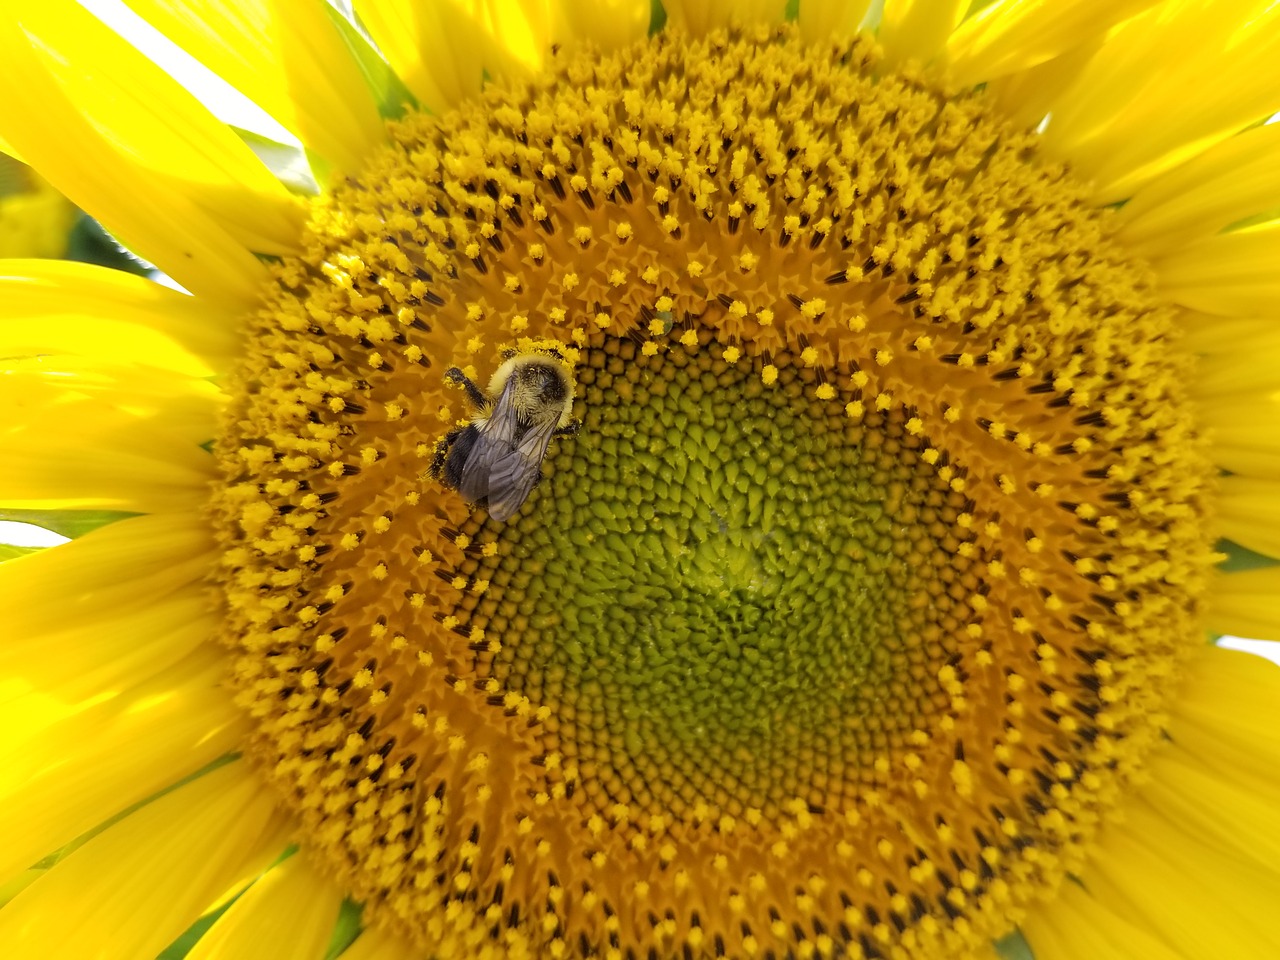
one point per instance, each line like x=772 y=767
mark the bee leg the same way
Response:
x=570 y=429
x=459 y=379
x=441 y=452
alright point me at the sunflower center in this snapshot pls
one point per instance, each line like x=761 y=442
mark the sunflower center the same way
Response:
x=740 y=591
x=849 y=611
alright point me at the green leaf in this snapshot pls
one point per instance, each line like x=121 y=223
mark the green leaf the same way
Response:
x=67 y=523
x=188 y=938
x=346 y=930
x=291 y=164
x=1242 y=558
x=657 y=16
x=9 y=552
x=391 y=95
x=1015 y=947
x=88 y=242
x=191 y=936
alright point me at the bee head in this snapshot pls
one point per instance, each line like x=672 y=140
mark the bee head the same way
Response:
x=542 y=381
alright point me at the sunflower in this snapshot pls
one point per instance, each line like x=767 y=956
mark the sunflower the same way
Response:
x=924 y=379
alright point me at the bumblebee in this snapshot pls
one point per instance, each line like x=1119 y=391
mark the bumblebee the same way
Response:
x=497 y=457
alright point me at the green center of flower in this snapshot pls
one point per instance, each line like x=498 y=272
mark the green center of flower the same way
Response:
x=845 y=618
x=733 y=594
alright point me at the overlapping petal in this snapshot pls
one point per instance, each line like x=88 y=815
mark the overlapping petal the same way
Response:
x=286 y=56
x=98 y=762
x=133 y=888
x=174 y=184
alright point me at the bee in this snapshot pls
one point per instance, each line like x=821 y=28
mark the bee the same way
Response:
x=497 y=457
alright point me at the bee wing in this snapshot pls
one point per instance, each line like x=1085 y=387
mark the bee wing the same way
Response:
x=495 y=438
x=512 y=476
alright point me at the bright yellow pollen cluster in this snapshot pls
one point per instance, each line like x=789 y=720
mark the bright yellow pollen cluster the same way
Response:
x=748 y=218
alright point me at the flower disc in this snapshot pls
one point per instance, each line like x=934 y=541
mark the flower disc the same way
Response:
x=850 y=610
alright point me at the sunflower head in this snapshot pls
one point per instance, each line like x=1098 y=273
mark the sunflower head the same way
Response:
x=742 y=489
x=852 y=607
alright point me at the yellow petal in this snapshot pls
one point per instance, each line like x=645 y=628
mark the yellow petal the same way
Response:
x=288 y=914
x=1194 y=861
x=106 y=573
x=1229 y=182
x=111 y=581
x=918 y=29
x=1076 y=926
x=79 y=772
x=1217 y=810
x=1244 y=604
x=1244 y=430
x=700 y=17
x=378 y=945
x=80 y=443
x=1164 y=87
x=122 y=140
x=287 y=57
x=442 y=50
x=174 y=404
x=19 y=882
x=608 y=24
x=1225 y=717
x=1246 y=360
x=1014 y=35
x=1027 y=96
x=1191 y=895
x=1232 y=274
x=1249 y=513
x=8 y=149
x=129 y=891
x=74 y=662
x=1213 y=336
x=56 y=306
x=822 y=20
